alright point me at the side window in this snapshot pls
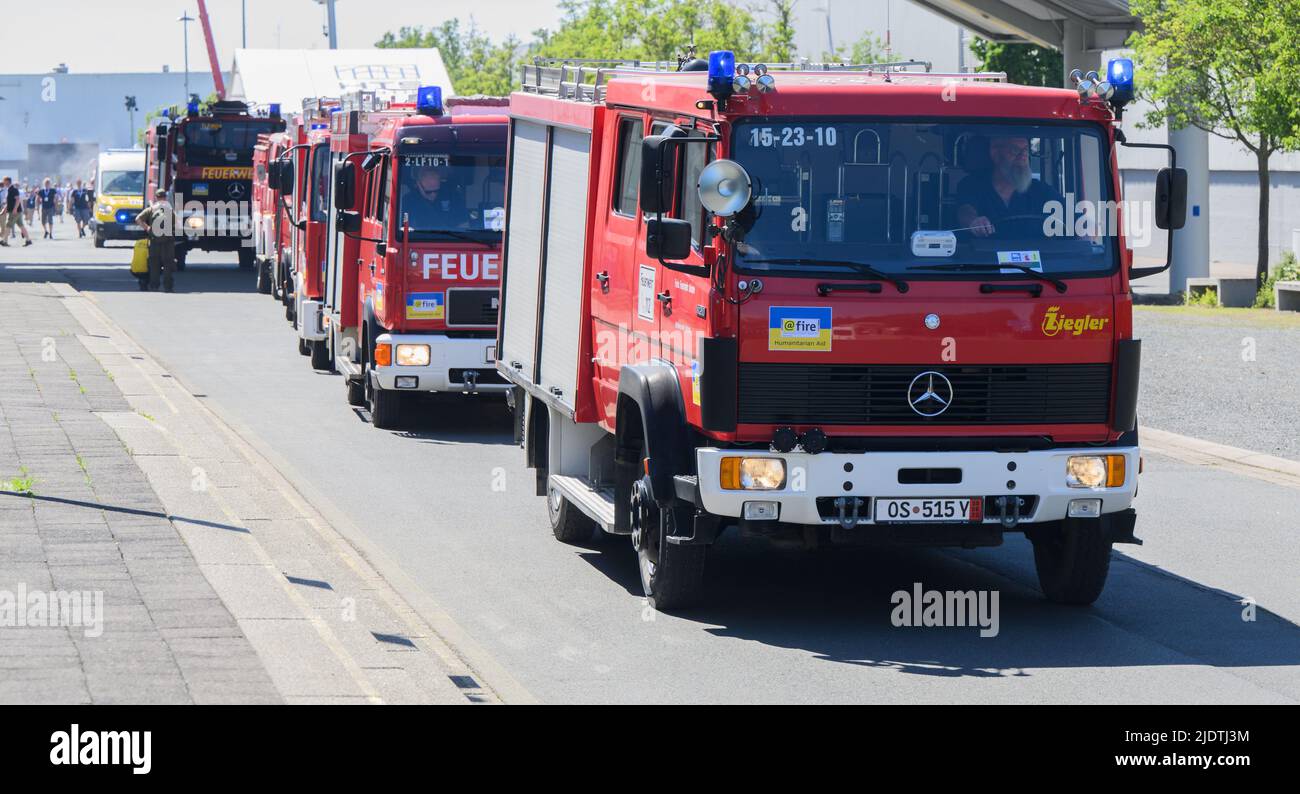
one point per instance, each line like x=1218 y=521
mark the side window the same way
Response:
x=630 y=134
x=694 y=158
x=381 y=206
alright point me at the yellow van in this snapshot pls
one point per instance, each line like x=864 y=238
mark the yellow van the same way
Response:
x=119 y=195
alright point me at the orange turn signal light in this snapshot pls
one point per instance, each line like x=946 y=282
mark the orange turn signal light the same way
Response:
x=729 y=474
x=383 y=355
x=1115 y=471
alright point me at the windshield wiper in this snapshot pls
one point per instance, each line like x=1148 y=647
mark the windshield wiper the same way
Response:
x=860 y=267
x=1061 y=286
x=466 y=236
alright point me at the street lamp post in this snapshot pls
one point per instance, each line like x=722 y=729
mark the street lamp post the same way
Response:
x=130 y=112
x=331 y=31
x=185 y=19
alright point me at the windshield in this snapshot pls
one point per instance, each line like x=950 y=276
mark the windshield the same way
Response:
x=916 y=196
x=122 y=183
x=320 y=183
x=222 y=142
x=462 y=193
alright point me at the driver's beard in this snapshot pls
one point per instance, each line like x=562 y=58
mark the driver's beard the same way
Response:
x=1018 y=175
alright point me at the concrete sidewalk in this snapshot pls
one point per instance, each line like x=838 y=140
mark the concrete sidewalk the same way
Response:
x=200 y=574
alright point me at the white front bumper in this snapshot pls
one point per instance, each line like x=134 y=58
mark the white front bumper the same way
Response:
x=311 y=316
x=875 y=474
x=445 y=353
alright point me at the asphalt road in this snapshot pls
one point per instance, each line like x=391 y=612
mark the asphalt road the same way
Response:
x=569 y=624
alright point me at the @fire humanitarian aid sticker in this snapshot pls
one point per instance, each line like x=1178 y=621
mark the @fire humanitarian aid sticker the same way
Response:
x=799 y=328
x=1029 y=259
x=424 y=306
x=695 y=382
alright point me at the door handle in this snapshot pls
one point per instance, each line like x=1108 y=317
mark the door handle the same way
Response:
x=667 y=300
x=603 y=278
x=372 y=267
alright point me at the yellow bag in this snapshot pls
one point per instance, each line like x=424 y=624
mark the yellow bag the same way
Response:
x=140 y=258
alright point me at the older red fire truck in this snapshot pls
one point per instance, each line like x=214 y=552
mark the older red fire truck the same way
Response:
x=836 y=305
x=271 y=227
x=204 y=160
x=413 y=275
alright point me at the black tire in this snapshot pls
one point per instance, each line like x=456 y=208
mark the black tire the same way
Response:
x=264 y=278
x=304 y=347
x=181 y=253
x=356 y=393
x=247 y=258
x=385 y=409
x=1072 y=558
x=672 y=576
x=568 y=523
x=99 y=241
x=144 y=283
x=320 y=355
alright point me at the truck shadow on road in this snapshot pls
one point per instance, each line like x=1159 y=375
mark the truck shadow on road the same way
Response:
x=197 y=278
x=837 y=604
x=441 y=419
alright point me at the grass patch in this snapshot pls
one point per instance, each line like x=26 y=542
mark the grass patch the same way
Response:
x=84 y=471
x=24 y=483
x=1257 y=318
x=147 y=416
x=1207 y=298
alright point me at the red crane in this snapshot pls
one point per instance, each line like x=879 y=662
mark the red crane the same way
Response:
x=212 y=51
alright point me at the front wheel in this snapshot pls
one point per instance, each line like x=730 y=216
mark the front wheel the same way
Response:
x=568 y=523
x=264 y=278
x=1072 y=558
x=320 y=355
x=180 y=258
x=672 y=576
x=356 y=393
x=385 y=408
x=99 y=241
x=247 y=259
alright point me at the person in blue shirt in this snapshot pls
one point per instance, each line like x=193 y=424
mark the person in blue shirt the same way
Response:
x=1005 y=201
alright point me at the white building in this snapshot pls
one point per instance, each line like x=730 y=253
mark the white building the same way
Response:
x=288 y=77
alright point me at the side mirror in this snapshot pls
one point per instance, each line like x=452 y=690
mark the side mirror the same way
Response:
x=667 y=238
x=1171 y=198
x=658 y=172
x=371 y=161
x=345 y=185
x=381 y=248
x=348 y=221
x=286 y=178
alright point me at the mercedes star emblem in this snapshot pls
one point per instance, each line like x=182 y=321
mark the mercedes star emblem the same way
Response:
x=236 y=191
x=930 y=393
x=932 y=321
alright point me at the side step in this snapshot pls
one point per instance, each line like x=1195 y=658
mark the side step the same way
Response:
x=349 y=369
x=599 y=505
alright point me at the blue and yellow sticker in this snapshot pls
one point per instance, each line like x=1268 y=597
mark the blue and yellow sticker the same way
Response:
x=424 y=306
x=805 y=328
x=695 y=382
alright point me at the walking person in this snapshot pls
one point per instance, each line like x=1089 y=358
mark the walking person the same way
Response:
x=80 y=199
x=29 y=203
x=159 y=222
x=48 y=198
x=11 y=212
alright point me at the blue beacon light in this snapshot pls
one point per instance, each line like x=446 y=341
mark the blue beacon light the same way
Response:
x=428 y=100
x=722 y=71
x=1119 y=73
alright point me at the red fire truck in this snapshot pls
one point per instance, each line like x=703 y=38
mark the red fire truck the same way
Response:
x=311 y=158
x=271 y=227
x=205 y=163
x=414 y=266
x=824 y=304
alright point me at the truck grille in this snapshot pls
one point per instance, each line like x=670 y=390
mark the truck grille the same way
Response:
x=472 y=306
x=860 y=394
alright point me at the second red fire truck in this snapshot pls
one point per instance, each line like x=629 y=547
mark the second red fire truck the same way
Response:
x=400 y=215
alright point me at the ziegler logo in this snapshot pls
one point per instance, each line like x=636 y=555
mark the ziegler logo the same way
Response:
x=1054 y=323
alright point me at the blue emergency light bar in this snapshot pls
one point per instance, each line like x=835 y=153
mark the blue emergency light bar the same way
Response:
x=1119 y=73
x=275 y=110
x=192 y=108
x=722 y=71
x=428 y=100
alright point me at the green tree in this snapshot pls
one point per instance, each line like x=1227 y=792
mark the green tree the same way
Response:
x=475 y=64
x=1026 y=64
x=1229 y=67
x=653 y=30
x=780 y=34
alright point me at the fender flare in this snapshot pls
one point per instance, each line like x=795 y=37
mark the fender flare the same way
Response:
x=656 y=394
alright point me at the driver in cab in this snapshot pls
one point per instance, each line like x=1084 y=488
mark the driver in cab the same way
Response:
x=1006 y=200
x=431 y=201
